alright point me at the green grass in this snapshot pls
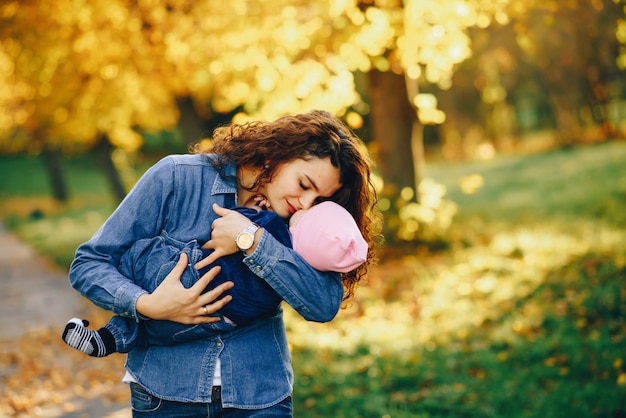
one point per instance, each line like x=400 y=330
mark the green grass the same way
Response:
x=524 y=315
x=587 y=180
x=55 y=229
x=556 y=353
x=27 y=176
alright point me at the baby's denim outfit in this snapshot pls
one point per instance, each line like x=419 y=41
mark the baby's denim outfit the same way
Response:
x=150 y=260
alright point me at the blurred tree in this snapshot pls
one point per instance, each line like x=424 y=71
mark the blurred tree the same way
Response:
x=87 y=72
x=76 y=74
x=401 y=46
x=556 y=66
x=573 y=46
x=83 y=73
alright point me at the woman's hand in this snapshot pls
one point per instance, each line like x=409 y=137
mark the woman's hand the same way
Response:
x=225 y=230
x=173 y=302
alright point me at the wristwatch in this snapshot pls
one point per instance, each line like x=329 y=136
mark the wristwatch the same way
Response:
x=245 y=238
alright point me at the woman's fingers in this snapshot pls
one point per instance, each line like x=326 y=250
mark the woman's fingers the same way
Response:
x=205 y=279
x=225 y=230
x=168 y=298
x=210 y=259
x=172 y=301
x=212 y=300
x=220 y=211
x=177 y=271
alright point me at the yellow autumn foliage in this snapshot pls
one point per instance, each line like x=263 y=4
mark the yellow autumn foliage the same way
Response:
x=72 y=71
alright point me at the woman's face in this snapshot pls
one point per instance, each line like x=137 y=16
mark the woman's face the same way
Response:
x=297 y=184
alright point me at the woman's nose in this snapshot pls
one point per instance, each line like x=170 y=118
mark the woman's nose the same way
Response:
x=307 y=201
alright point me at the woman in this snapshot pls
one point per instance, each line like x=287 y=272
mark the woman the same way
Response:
x=294 y=162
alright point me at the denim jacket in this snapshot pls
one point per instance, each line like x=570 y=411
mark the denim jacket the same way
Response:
x=175 y=197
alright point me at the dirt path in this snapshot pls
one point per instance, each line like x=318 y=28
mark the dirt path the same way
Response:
x=34 y=294
x=39 y=375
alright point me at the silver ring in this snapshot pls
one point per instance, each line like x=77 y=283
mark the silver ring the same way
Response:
x=205 y=311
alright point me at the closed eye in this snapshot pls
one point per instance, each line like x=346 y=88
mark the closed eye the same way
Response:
x=310 y=180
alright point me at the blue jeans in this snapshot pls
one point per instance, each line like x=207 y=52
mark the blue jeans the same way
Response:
x=146 y=405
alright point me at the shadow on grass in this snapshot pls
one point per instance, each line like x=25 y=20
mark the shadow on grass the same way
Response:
x=558 y=352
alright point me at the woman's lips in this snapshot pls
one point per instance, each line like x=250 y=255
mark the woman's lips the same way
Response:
x=291 y=209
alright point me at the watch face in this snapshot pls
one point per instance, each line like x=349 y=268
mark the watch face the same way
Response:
x=245 y=240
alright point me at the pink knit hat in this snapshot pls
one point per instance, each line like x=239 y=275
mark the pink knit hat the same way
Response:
x=328 y=238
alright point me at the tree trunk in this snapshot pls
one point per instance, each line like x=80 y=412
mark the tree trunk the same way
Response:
x=568 y=129
x=104 y=150
x=393 y=120
x=417 y=134
x=417 y=150
x=190 y=123
x=55 y=174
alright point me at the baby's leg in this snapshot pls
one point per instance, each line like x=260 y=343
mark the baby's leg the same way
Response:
x=98 y=343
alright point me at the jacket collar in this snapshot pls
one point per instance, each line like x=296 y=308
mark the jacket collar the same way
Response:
x=226 y=181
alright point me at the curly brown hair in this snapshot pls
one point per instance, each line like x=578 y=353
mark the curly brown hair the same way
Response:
x=266 y=145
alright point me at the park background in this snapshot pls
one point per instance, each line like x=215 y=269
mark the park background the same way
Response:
x=497 y=129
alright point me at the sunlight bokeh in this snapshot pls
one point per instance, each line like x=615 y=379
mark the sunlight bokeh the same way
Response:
x=423 y=305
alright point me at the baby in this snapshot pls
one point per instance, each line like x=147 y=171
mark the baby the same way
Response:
x=326 y=236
